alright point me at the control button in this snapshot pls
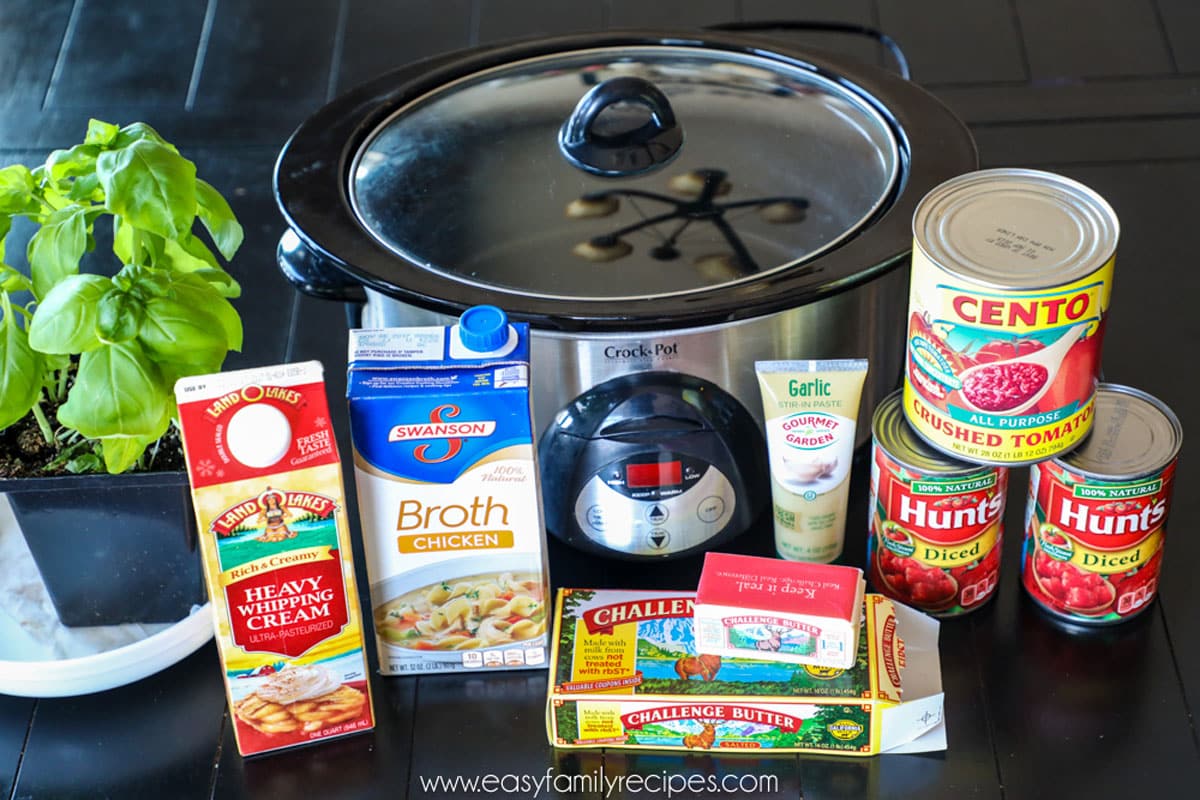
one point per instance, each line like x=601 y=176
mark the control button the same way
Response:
x=711 y=509
x=659 y=539
x=657 y=514
x=595 y=518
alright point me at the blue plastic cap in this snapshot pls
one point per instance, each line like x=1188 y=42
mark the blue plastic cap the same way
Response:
x=483 y=329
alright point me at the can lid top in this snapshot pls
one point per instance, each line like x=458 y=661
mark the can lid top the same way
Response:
x=893 y=433
x=1133 y=435
x=1016 y=228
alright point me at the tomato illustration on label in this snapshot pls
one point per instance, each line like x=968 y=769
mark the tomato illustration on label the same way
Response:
x=1093 y=549
x=935 y=539
x=1002 y=375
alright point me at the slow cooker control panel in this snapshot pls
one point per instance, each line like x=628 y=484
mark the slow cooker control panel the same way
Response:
x=656 y=506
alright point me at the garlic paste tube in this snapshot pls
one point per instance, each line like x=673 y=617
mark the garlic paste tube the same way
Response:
x=811 y=412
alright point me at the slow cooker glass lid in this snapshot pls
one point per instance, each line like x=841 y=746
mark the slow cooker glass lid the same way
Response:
x=777 y=165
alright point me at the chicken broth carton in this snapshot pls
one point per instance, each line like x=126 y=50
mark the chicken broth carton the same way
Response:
x=267 y=489
x=625 y=673
x=448 y=495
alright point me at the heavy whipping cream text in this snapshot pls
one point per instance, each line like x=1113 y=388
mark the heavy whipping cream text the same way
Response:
x=284 y=604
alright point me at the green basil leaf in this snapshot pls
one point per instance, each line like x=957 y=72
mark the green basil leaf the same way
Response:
x=5 y=227
x=100 y=133
x=122 y=241
x=195 y=292
x=191 y=255
x=12 y=280
x=174 y=332
x=122 y=452
x=221 y=281
x=123 y=236
x=151 y=186
x=144 y=282
x=119 y=315
x=86 y=188
x=21 y=368
x=78 y=161
x=84 y=464
x=139 y=132
x=66 y=319
x=188 y=254
x=55 y=250
x=218 y=219
x=18 y=191
x=118 y=391
x=174 y=372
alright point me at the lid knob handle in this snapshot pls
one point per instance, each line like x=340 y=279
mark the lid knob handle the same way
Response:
x=483 y=329
x=628 y=141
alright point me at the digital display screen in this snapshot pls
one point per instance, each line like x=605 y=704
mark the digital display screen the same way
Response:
x=647 y=476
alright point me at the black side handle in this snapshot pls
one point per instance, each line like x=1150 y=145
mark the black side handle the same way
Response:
x=630 y=152
x=849 y=28
x=314 y=275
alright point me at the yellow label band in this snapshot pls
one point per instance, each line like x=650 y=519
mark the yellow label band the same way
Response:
x=1113 y=562
x=290 y=558
x=442 y=541
x=956 y=555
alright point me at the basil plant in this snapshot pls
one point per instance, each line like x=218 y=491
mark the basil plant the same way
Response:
x=107 y=350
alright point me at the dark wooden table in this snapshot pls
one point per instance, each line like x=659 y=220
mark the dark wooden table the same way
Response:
x=1106 y=91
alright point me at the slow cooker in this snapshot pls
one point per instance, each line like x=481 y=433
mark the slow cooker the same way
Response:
x=663 y=210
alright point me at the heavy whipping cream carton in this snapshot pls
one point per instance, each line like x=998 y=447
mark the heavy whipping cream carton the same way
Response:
x=448 y=494
x=267 y=489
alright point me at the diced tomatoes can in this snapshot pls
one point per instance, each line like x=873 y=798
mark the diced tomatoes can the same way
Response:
x=936 y=523
x=1095 y=522
x=1011 y=280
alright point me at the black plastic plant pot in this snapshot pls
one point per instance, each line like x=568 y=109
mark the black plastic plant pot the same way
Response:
x=112 y=549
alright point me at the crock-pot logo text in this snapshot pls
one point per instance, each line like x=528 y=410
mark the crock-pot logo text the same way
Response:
x=440 y=427
x=639 y=351
x=253 y=394
x=811 y=430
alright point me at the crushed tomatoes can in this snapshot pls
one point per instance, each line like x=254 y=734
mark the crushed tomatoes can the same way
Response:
x=1096 y=518
x=1011 y=279
x=936 y=523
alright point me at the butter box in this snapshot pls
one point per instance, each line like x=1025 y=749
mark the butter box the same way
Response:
x=625 y=673
x=776 y=610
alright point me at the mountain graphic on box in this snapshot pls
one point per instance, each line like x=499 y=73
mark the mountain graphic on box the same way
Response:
x=672 y=635
x=724 y=730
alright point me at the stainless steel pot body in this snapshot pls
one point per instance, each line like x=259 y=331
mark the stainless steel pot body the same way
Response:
x=866 y=321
